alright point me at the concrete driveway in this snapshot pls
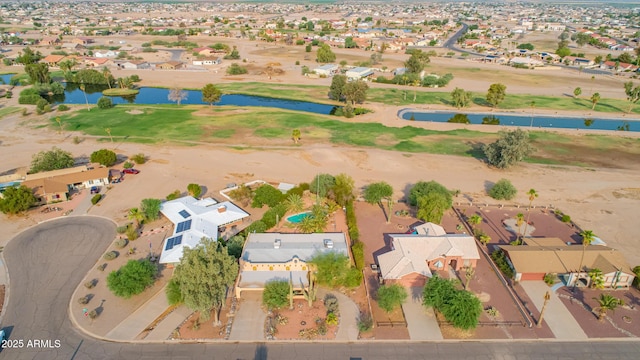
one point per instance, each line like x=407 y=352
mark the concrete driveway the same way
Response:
x=557 y=316
x=249 y=321
x=421 y=322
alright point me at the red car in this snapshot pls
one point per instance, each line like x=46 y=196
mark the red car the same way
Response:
x=131 y=171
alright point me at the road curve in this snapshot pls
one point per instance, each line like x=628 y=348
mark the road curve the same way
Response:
x=47 y=262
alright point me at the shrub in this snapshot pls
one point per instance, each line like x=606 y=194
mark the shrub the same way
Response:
x=127 y=165
x=636 y=280
x=391 y=296
x=274 y=214
x=332 y=319
x=173 y=292
x=90 y=284
x=9 y=94
x=174 y=195
x=93 y=314
x=266 y=194
x=499 y=259
x=104 y=157
x=236 y=69
x=120 y=243
x=352 y=224
x=275 y=294
x=257 y=227
x=122 y=229
x=139 y=158
x=566 y=218
x=549 y=278
x=30 y=99
x=331 y=303
x=63 y=107
x=110 y=255
x=102 y=267
x=47 y=108
x=85 y=299
x=41 y=103
x=132 y=278
x=132 y=232
x=194 y=190
x=150 y=208
x=77 y=140
x=365 y=322
x=105 y=103
x=503 y=190
x=25 y=112
x=96 y=198
x=358 y=254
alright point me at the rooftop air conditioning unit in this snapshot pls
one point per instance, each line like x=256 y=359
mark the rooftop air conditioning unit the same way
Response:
x=277 y=243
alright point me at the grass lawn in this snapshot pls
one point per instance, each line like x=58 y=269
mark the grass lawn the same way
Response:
x=256 y=127
x=9 y=110
x=120 y=92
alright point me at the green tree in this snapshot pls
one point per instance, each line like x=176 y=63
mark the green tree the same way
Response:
x=377 y=192
x=324 y=54
x=194 y=190
x=436 y=292
x=322 y=184
x=356 y=92
x=496 y=94
x=150 y=208
x=503 y=190
x=266 y=194
x=132 y=278
x=336 y=90
x=416 y=62
x=475 y=220
x=510 y=148
x=275 y=294
x=633 y=93
x=607 y=302
x=349 y=43
x=205 y=274
x=105 y=103
x=211 y=94
x=174 y=295
x=136 y=215
x=342 y=190
x=104 y=157
x=235 y=245
x=594 y=100
x=38 y=73
x=563 y=51
x=16 y=199
x=177 y=95
x=53 y=159
x=463 y=310
x=431 y=207
x=28 y=56
x=460 y=97
x=391 y=297
x=577 y=91
x=587 y=238
x=334 y=270
x=294 y=203
x=422 y=188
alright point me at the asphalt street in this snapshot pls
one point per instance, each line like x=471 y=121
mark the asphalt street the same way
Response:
x=47 y=262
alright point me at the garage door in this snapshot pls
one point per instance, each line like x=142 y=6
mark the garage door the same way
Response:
x=532 y=276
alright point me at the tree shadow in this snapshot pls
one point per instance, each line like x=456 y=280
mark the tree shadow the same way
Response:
x=100 y=307
x=480 y=101
x=477 y=150
x=488 y=185
x=416 y=293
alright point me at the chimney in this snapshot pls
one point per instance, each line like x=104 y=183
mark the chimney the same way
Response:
x=277 y=243
x=222 y=208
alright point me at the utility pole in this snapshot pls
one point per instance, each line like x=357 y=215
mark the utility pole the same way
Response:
x=547 y=297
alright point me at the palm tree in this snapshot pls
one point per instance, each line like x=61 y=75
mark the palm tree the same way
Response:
x=59 y=121
x=594 y=100
x=136 y=215
x=294 y=203
x=295 y=135
x=587 y=239
x=107 y=75
x=108 y=131
x=532 y=195
x=475 y=220
x=607 y=302
x=597 y=279
x=519 y=222
x=307 y=225
x=83 y=88
x=533 y=105
x=415 y=83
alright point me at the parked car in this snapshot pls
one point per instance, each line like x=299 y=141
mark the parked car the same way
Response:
x=95 y=190
x=131 y=171
x=117 y=180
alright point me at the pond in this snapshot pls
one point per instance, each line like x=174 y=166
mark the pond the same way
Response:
x=5 y=78
x=525 y=120
x=152 y=96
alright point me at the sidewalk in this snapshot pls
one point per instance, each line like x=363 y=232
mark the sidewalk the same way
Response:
x=165 y=328
x=421 y=322
x=135 y=323
x=557 y=316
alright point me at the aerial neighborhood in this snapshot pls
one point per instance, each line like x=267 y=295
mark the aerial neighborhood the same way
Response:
x=333 y=172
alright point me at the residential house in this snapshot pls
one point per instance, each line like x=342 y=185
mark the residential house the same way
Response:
x=170 y=65
x=50 y=40
x=53 y=186
x=84 y=41
x=52 y=60
x=327 y=70
x=105 y=54
x=525 y=61
x=134 y=65
x=359 y=73
x=96 y=62
x=577 y=61
x=275 y=256
x=208 y=61
x=552 y=256
x=129 y=49
x=194 y=219
x=618 y=66
x=72 y=46
x=413 y=257
x=204 y=51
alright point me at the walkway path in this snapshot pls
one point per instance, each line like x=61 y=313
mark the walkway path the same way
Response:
x=559 y=319
x=421 y=322
x=164 y=329
x=349 y=314
x=135 y=323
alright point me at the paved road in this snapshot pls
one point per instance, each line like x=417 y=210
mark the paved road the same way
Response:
x=48 y=261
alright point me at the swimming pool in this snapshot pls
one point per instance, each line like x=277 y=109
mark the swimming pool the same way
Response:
x=297 y=218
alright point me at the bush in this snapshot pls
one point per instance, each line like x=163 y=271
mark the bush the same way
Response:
x=90 y=284
x=274 y=214
x=194 y=190
x=110 y=255
x=503 y=190
x=352 y=224
x=96 y=198
x=174 y=195
x=566 y=218
x=549 y=278
x=358 y=254
x=332 y=319
x=104 y=157
x=120 y=243
x=150 y=208
x=41 y=103
x=105 y=103
x=499 y=259
x=365 y=322
x=9 y=94
x=132 y=278
x=85 y=299
x=93 y=314
x=267 y=194
x=173 y=292
x=331 y=304
x=275 y=294
x=127 y=165
x=139 y=158
x=636 y=281
x=122 y=229
x=236 y=69
x=102 y=267
x=132 y=232
x=257 y=227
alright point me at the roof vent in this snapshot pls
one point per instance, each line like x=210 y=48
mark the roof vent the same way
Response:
x=222 y=208
x=277 y=243
x=328 y=243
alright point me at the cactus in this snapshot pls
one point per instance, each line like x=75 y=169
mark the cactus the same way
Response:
x=290 y=294
x=310 y=291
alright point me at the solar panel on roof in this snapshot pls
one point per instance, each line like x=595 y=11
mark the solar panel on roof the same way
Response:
x=184 y=213
x=183 y=226
x=169 y=245
x=174 y=241
x=177 y=240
